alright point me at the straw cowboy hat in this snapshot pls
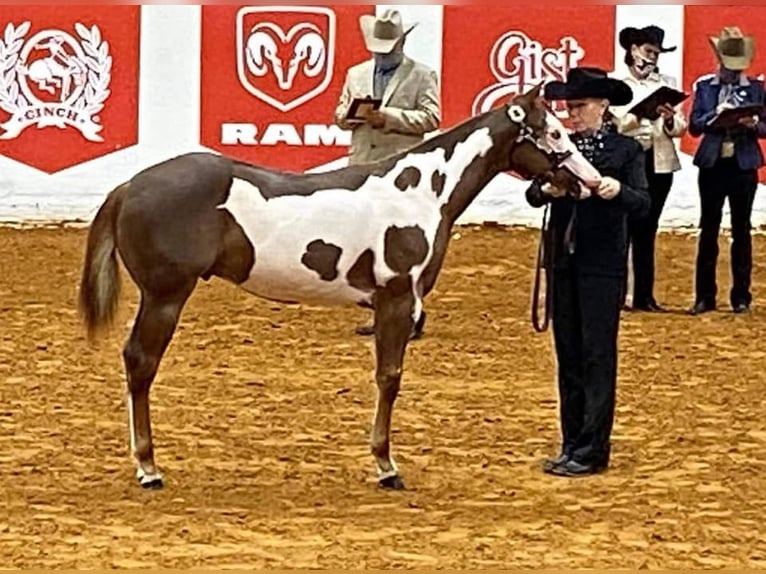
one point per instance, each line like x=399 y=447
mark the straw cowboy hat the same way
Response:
x=734 y=50
x=589 y=82
x=653 y=35
x=381 y=33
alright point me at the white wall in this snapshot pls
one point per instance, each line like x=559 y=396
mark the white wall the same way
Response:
x=169 y=124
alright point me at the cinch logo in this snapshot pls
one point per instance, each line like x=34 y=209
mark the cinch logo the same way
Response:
x=53 y=79
x=285 y=55
x=519 y=63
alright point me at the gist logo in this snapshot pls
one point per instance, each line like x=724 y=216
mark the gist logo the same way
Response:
x=519 y=63
x=271 y=78
x=60 y=101
x=515 y=50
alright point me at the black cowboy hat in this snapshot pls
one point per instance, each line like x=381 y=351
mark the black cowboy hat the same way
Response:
x=587 y=82
x=647 y=35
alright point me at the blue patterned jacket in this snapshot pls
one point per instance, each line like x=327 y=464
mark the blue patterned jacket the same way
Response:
x=746 y=148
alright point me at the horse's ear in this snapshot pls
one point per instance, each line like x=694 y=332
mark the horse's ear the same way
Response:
x=534 y=93
x=529 y=98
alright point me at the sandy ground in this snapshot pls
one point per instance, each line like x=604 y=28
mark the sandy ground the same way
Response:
x=262 y=411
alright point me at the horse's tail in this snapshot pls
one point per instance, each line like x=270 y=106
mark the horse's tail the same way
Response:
x=100 y=282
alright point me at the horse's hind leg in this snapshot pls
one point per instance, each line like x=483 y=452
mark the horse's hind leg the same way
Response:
x=155 y=324
x=393 y=324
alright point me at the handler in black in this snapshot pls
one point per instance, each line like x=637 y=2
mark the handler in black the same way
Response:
x=588 y=242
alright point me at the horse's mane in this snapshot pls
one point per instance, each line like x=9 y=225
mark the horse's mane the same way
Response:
x=353 y=173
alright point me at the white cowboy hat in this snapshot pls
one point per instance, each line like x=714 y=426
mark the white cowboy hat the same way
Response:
x=381 y=33
x=734 y=50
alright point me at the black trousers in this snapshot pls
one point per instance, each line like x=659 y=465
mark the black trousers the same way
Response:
x=586 y=316
x=643 y=232
x=725 y=180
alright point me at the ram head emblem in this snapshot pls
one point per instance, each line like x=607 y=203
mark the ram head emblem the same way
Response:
x=263 y=52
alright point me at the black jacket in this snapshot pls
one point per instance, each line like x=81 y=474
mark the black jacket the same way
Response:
x=600 y=226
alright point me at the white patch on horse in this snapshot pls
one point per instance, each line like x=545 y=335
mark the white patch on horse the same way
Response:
x=376 y=438
x=144 y=478
x=281 y=227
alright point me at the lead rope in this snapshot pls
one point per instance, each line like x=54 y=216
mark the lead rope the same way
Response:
x=544 y=262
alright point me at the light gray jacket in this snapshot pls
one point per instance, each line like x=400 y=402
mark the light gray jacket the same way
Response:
x=655 y=135
x=411 y=106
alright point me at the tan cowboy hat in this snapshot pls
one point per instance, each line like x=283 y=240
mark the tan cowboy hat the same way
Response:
x=734 y=50
x=381 y=33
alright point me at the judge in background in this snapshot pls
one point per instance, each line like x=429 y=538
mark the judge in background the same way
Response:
x=728 y=161
x=643 y=47
x=410 y=109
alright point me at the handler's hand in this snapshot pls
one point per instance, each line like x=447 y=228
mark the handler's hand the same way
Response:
x=552 y=190
x=609 y=188
x=585 y=192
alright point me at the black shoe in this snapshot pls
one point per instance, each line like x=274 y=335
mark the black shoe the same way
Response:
x=740 y=308
x=702 y=307
x=573 y=468
x=550 y=463
x=649 y=306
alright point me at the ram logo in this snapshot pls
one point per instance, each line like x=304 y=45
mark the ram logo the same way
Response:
x=285 y=54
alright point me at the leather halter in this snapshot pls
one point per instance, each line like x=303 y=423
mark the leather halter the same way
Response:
x=527 y=133
x=546 y=245
x=545 y=257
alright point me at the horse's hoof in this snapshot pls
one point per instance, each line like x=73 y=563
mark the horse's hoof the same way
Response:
x=149 y=481
x=152 y=484
x=391 y=483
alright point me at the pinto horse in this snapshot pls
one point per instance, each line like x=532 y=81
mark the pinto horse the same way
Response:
x=372 y=235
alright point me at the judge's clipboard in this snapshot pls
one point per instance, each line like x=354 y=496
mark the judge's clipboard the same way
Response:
x=730 y=118
x=647 y=108
x=360 y=107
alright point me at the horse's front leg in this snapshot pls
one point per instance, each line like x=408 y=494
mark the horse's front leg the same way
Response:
x=394 y=308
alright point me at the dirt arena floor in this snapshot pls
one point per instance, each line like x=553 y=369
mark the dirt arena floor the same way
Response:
x=262 y=412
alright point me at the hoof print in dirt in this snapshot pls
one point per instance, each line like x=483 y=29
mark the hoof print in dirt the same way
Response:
x=392 y=483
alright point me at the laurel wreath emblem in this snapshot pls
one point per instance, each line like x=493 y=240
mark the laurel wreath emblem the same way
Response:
x=10 y=46
x=97 y=60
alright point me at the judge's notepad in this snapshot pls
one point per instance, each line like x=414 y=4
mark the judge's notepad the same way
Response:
x=730 y=118
x=647 y=108
x=360 y=107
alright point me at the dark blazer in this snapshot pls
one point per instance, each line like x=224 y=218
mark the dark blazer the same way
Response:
x=600 y=225
x=746 y=148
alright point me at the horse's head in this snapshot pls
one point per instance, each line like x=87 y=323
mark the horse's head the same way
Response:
x=543 y=150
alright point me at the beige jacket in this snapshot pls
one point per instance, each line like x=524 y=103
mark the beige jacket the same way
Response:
x=651 y=134
x=410 y=104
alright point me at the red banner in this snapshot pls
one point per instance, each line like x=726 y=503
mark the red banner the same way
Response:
x=68 y=83
x=271 y=78
x=702 y=22
x=488 y=60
